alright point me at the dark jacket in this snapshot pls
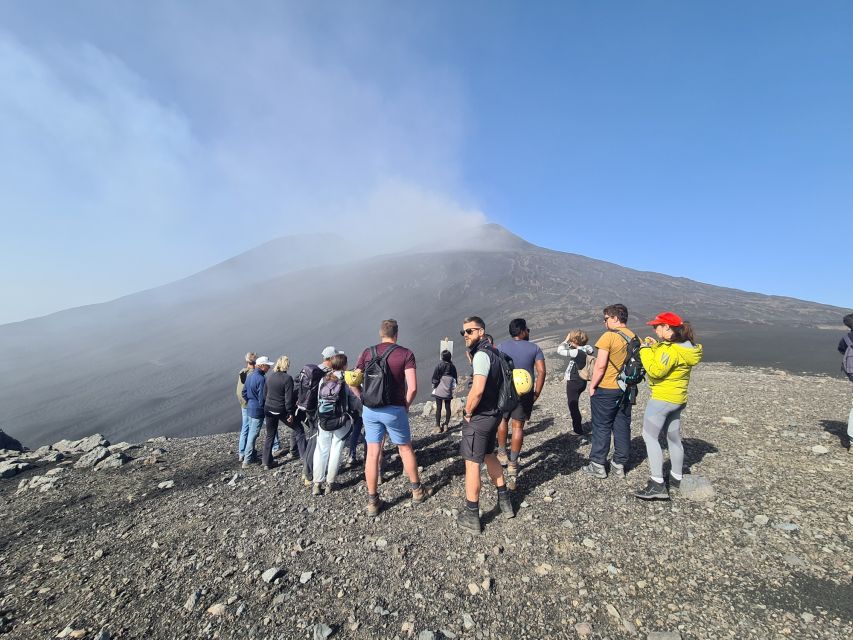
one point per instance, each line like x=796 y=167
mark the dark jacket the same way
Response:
x=254 y=393
x=279 y=394
x=842 y=346
x=444 y=369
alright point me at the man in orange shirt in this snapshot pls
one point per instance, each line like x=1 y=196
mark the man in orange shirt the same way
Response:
x=611 y=414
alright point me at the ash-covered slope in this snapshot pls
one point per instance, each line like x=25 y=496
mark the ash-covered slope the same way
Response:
x=164 y=362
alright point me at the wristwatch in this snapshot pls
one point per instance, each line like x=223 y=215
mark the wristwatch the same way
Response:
x=465 y=414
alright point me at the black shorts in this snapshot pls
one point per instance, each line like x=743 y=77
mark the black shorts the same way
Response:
x=479 y=436
x=523 y=410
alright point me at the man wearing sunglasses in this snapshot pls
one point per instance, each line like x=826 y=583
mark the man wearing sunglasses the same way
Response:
x=480 y=427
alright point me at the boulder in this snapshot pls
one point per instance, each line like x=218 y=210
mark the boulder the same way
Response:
x=112 y=462
x=92 y=458
x=88 y=444
x=12 y=468
x=457 y=406
x=65 y=446
x=8 y=442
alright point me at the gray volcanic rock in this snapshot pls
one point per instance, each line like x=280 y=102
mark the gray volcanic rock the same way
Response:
x=87 y=444
x=110 y=550
x=92 y=458
x=9 y=443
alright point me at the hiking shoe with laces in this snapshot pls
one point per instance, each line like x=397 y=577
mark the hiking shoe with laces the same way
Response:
x=306 y=480
x=373 y=507
x=330 y=486
x=653 y=491
x=505 y=505
x=674 y=483
x=317 y=489
x=420 y=494
x=595 y=470
x=511 y=476
x=617 y=470
x=503 y=458
x=469 y=519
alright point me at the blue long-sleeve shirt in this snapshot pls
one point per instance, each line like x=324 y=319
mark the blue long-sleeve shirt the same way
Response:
x=254 y=393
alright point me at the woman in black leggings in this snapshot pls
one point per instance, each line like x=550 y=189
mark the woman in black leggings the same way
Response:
x=443 y=383
x=577 y=350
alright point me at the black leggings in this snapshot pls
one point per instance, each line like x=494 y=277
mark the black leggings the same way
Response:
x=438 y=403
x=574 y=388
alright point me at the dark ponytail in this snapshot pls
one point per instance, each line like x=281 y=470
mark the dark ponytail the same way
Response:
x=684 y=333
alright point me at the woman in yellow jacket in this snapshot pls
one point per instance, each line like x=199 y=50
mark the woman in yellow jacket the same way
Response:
x=668 y=364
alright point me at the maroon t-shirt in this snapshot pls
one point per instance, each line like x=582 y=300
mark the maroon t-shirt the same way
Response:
x=399 y=360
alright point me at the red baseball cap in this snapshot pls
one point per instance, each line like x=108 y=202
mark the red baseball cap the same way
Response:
x=667 y=317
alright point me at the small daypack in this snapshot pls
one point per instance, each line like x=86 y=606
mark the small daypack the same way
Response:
x=632 y=371
x=507 y=395
x=306 y=387
x=376 y=389
x=585 y=372
x=847 y=358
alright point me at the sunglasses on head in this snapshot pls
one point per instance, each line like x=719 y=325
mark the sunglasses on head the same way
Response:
x=469 y=331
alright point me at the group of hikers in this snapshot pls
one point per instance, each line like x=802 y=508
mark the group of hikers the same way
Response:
x=329 y=408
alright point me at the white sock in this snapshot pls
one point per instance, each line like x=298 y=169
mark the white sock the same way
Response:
x=658 y=480
x=675 y=476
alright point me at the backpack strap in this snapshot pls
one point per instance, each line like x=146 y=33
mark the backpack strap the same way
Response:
x=385 y=355
x=849 y=340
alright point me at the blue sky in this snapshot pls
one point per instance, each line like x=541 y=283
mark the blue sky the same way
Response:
x=140 y=142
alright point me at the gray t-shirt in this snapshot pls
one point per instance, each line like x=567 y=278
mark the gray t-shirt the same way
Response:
x=481 y=364
x=524 y=353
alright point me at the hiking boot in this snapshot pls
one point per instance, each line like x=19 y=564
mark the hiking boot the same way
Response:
x=306 y=480
x=511 y=476
x=270 y=467
x=239 y=458
x=505 y=505
x=317 y=489
x=503 y=458
x=330 y=486
x=595 y=470
x=653 y=491
x=420 y=494
x=469 y=519
x=617 y=470
x=373 y=507
x=437 y=429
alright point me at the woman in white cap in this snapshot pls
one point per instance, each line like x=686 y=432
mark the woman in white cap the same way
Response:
x=668 y=364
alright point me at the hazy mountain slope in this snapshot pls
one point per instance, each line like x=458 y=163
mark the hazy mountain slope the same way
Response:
x=156 y=363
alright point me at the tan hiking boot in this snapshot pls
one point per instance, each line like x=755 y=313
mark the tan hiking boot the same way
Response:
x=420 y=494
x=503 y=458
x=511 y=476
x=373 y=507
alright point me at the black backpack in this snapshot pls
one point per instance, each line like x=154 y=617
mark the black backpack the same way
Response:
x=632 y=371
x=376 y=389
x=507 y=395
x=306 y=387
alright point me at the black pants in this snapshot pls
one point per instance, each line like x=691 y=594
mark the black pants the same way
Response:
x=574 y=388
x=309 y=429
x=438 y=404
x=271 y=424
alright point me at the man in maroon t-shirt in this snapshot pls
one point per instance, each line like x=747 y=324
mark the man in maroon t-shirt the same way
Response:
x=393 y=418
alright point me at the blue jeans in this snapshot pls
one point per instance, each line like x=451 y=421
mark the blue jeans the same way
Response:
x=254 y=429
x=610 y=416
x=244 y=431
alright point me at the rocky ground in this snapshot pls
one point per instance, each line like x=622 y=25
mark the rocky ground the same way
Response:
x=171 y=539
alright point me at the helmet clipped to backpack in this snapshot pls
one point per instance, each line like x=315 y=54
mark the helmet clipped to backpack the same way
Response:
x=353 y=378
x=522 y=381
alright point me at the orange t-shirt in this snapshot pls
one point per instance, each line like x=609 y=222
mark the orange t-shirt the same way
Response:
x=617 y=350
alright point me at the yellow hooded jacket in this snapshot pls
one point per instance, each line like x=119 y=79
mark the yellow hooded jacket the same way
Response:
x=668 y=369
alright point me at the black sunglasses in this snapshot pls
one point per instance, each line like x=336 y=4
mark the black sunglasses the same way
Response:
x=468 y=332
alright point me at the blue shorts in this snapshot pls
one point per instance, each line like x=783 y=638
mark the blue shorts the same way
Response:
x=391 y=419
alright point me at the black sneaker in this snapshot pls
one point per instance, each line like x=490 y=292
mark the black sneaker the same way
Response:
x=505 y=505
x=674 y=484
x=653 y=491
x=469 y=519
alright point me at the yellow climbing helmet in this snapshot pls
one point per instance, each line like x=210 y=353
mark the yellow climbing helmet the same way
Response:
x=523 y=381
x=353 y=378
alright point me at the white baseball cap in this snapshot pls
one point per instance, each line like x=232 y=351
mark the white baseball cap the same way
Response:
x=263 y=360
x=328 y=352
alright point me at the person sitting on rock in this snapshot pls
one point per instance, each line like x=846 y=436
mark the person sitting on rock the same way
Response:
x=668 y=364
